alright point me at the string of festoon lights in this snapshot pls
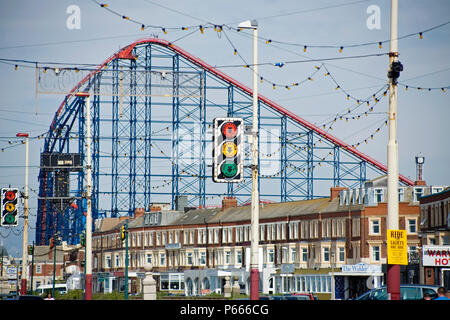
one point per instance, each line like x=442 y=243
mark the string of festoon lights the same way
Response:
x=304 y=46
x=220 y=28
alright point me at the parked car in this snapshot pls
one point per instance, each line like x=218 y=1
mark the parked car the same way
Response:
x=7 y=296
x=294 y=296
x=407 y=292
x=304 y=296
x=29 y=297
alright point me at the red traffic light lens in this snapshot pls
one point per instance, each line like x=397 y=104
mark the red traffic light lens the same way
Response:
x=229 y=129
x=10 y=195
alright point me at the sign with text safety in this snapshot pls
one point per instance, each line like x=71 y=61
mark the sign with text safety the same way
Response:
x=397 y=250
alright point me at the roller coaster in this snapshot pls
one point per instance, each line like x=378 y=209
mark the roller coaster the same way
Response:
x=152 y=110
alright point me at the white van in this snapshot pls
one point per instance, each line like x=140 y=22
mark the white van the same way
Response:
x=60 y=287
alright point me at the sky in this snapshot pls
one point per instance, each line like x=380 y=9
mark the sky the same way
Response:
x=45 y=31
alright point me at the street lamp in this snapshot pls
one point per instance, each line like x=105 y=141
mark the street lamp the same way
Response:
x=254 y=272
x=23 y=283
x=88 y=173
x=393 y=270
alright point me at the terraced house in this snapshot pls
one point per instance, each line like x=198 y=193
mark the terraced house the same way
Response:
x=334 y=247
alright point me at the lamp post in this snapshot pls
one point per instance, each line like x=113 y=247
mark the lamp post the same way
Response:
x=254 y=259
x=393 y=271
x=88 y=261
x=23 y=283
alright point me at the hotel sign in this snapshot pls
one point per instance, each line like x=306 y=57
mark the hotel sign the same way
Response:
x=436 y=256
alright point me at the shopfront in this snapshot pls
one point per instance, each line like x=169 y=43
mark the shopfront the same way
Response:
x=354 y=280
x=436 y=263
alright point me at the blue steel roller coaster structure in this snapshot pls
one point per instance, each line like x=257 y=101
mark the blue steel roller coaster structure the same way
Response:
x=152 y=110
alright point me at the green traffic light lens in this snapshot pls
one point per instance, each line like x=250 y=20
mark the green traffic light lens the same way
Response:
x=9 y=219
x=229 y=169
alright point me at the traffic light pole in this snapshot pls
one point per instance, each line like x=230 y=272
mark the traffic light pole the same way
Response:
x=254 y=259
x=88 y=262
x=54 y=269
x=32 y=268
x=23 y=283
x=126 y=262
x=393 y=271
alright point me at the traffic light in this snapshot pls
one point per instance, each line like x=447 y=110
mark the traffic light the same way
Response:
x=123 y=232
x=9 y=207
x=228 y=145
x=52 y=243
x=82 y=240
x=394 y=72
x=30 y=250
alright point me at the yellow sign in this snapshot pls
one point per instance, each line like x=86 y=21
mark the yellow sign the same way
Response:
x=397 y=250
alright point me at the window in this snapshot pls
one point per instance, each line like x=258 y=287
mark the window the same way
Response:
x=149 y=258
x=356 y=227
x=418 y=192
x=202 y=258
x=261 y=232
x=191 y=236
x=326 y=254
x=376 y=253
x=401 y=194
x=270 y=256
x=227 y=257
x=108 y=262
x=189 y=258
x=436 y=189
x=239 y=257
x=210 y=236
x=341 y=254
x=158 y=238
x=375 y=226
x=304 y=254
x=285 y=253
x=116 y=264
x=293 y=255
x=162 y=259
x=412 y=225
x=378 y=195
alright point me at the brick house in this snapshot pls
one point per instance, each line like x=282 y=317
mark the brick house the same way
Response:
x=435 y=237
x=334 y=245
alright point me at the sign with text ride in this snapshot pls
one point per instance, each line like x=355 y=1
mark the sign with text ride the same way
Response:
x=397 y=250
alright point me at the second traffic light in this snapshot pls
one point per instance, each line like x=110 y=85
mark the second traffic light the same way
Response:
x=123 y=232
x=228 y=144
x=9 y=207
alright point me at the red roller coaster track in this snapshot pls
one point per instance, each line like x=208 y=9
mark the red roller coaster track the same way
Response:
x=125 y=53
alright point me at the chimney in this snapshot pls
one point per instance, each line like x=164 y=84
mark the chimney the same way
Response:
x=229 y=202
x=334 y=192
x=139 y=212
